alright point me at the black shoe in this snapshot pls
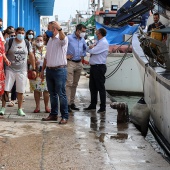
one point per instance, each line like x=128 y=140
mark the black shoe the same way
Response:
x=101 y=111
x=73 y=107
x=90 y=108
x=69 y=109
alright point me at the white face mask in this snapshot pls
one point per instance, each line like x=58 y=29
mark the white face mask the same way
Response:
x=30 y=36
x=20 y=37
x=82 y=34
x=40 y=44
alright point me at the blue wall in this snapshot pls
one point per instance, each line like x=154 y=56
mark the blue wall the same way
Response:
x=1 y=9
x=21 y=13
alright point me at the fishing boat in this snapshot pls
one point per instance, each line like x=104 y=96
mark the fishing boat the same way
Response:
x=155 y=74
x=122 y=74
x=152 y=75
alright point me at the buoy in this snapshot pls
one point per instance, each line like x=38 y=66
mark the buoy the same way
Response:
x=139 y=116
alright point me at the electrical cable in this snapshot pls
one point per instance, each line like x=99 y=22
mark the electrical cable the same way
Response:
x=120 y=63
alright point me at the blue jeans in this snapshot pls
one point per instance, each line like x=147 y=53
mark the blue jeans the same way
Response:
x=56 y=81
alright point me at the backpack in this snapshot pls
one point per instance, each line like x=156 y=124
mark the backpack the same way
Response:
x=11 y=41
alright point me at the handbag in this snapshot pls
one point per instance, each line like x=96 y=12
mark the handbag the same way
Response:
x=30 y=75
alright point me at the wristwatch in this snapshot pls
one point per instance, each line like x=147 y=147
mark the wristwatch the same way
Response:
x=60 y=29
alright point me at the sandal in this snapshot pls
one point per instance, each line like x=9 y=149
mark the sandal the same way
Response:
x=11 y=104
x=36 y=111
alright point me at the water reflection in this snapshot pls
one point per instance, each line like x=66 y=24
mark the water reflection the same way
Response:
x=97 y=124
x=121 y=136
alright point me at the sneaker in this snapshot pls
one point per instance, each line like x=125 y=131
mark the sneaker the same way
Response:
x=101 y=111
x=20 y=112
x=73 y=107
x=90 y=108
x=69 y=109
x=2 y=111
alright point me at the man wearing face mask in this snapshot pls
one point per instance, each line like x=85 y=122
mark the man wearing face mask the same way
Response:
x=156 y=26
x=99 y=52
x=17 y=54
x=55 y=63
x=75 y=55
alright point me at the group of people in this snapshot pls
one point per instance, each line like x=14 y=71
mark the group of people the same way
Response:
x=55 y=61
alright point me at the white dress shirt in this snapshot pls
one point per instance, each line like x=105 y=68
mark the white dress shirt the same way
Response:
x=99 y=52
x=56 y=52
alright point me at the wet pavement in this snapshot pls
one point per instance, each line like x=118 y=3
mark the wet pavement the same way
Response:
x=90 y=141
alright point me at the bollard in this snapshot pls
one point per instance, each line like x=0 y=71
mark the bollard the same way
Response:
x=122 y=110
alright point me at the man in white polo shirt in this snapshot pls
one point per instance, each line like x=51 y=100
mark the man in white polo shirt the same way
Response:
x=56 y=72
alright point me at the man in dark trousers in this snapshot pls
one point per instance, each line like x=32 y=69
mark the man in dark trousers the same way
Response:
x=99 y=52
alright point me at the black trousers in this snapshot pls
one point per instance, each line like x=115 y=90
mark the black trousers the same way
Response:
x=97 y=84
x=13 y=92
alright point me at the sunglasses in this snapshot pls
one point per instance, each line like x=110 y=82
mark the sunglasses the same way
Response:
x=30 y=34
x=12 y=36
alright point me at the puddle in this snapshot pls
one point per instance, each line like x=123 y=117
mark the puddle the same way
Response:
x=120 y=136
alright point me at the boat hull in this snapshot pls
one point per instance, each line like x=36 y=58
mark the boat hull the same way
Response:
x=127 y=78
x=156 y=82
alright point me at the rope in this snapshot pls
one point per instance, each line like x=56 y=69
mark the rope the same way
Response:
x=121 y=61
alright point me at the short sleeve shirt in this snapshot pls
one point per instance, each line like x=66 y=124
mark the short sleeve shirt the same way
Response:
x=17 y=55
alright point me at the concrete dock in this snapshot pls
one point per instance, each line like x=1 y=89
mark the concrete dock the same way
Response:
x=90 y=141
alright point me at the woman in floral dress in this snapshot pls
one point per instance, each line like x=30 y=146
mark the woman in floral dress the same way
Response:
x=37 y=85
x=2 y=75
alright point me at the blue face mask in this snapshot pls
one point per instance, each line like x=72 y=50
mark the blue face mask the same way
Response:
x=20 y=37
x=49 y=33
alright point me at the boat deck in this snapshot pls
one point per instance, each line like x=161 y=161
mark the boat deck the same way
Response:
x=137 y=50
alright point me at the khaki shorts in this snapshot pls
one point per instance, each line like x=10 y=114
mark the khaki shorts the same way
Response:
x=20 y=78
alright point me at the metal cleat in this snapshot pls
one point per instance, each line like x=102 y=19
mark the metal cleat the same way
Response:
x=122 y=109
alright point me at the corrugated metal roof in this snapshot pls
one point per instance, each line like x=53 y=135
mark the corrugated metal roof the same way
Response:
x=44 y=7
